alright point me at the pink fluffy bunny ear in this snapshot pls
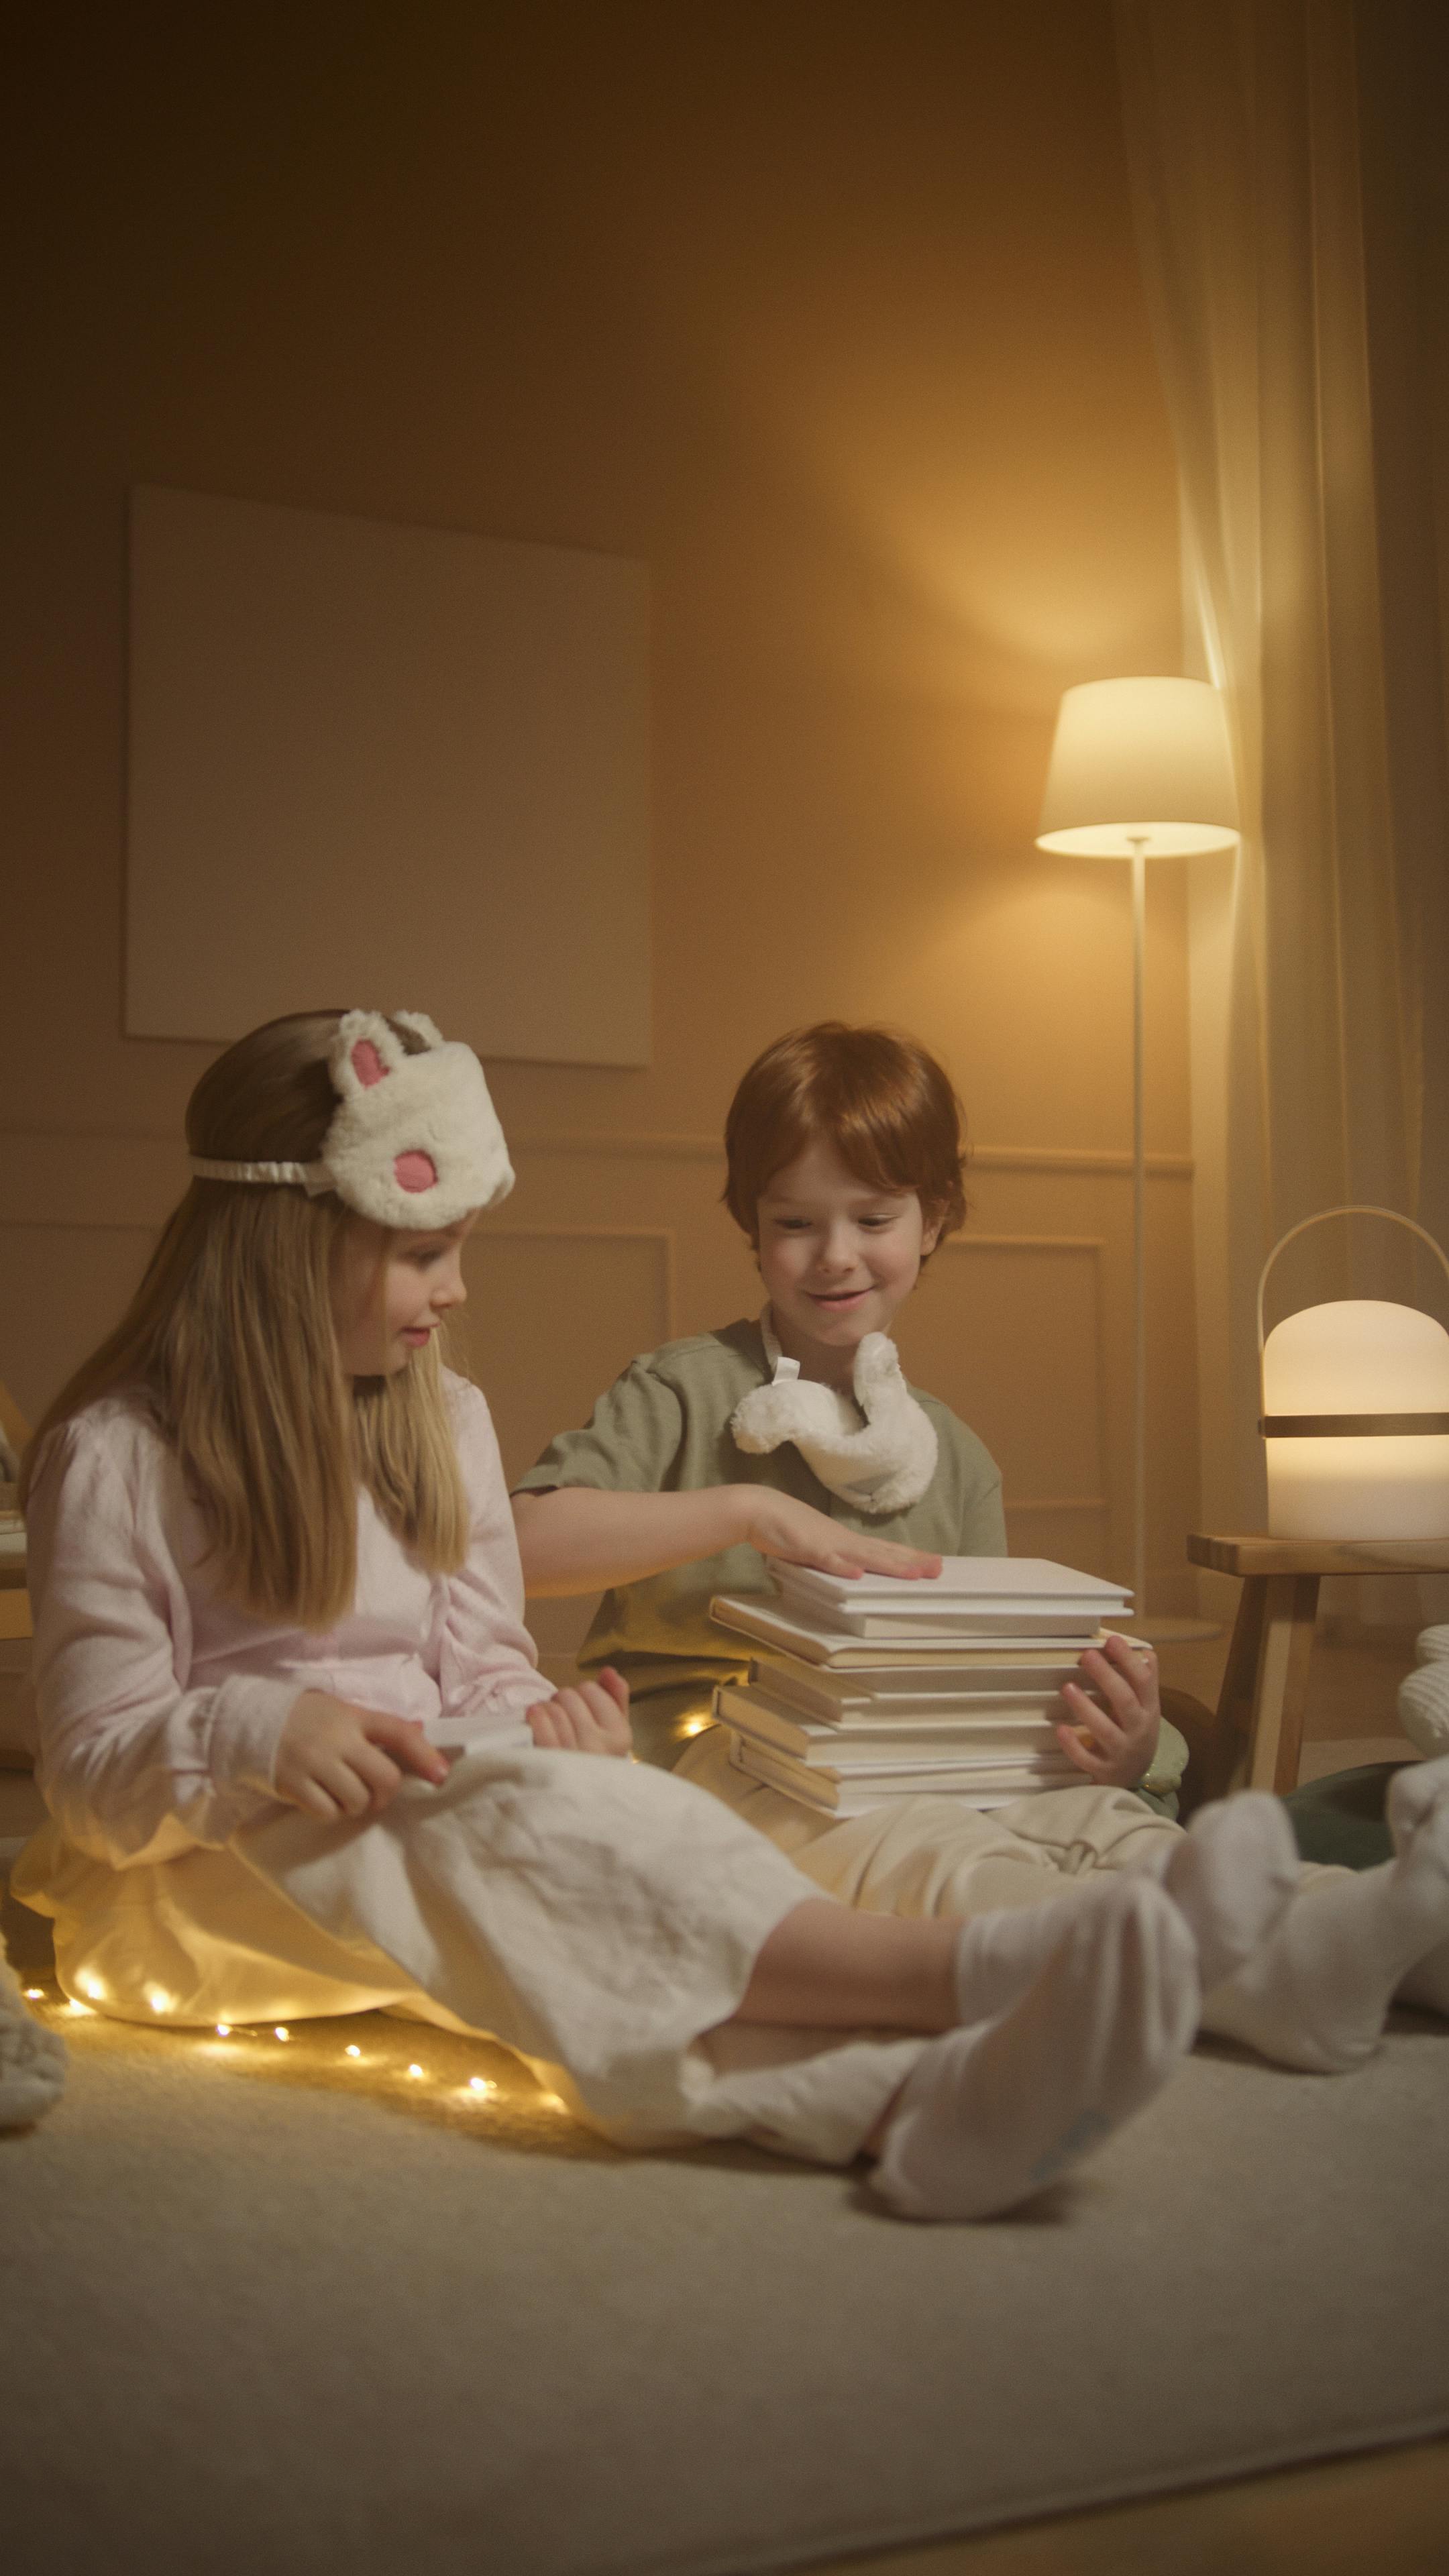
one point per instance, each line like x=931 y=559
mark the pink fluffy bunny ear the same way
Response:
x=421 y=1026
x=364 y=1052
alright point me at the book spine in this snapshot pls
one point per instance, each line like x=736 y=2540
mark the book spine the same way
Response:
x=863 y=1790
x=826 y=1747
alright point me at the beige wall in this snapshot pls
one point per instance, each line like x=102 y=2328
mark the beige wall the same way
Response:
x=830 y=313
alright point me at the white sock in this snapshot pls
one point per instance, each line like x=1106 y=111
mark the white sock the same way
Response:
x=1231 y=1877
x=1414 y=1793
x=32 y=2058
x=1000 y=1954
x=989 y=2115
x=1317 y=1993
x=1423 y=1705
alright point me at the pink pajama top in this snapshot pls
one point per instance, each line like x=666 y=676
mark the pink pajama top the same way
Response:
x=158 y=1706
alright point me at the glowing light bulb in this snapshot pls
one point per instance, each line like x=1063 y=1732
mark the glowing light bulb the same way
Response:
x=479 y=2084
x=158 y=1999
x=35 y=1994
x=352 y=2049
x=282 y=2031
x=92 y=1986
x=223 y=2030
x=695 y=1725
x=415 y=2070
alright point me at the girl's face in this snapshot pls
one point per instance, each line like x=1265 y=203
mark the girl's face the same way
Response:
x=838 y=1257
x=390 y=1292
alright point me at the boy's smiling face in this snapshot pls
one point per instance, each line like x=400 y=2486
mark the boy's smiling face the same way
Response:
x=837 y=1257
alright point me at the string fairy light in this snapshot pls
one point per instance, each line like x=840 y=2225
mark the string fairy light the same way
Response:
x=473 y=2089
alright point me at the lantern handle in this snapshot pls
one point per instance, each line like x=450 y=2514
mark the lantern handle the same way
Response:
x=1323 y=1215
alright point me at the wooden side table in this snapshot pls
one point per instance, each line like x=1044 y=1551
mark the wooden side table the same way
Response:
x=14 y=1629
x=14 y=1600
x=1264 y=1696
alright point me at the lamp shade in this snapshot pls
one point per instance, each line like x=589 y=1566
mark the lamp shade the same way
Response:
x=1140 y=765
x=1381 y=1371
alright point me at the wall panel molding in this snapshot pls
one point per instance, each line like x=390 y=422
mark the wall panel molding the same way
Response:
x=555 y=1313
x=1030 y=1401
x=66 y=1176
x=589 y=1144
x=956 y=1244
x=613 y=1243
x=663 y=1236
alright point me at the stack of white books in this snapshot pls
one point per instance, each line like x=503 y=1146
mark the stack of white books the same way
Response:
x=865 y=1688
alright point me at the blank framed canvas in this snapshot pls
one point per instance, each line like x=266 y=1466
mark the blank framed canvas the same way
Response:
x=386 y=767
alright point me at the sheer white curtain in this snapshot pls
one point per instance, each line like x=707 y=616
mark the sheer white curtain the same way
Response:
x=1312 y=1084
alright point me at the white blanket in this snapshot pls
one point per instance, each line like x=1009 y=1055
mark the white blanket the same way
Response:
x=600 y=1918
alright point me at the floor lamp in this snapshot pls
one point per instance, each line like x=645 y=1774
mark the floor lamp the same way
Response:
x=1140 y=769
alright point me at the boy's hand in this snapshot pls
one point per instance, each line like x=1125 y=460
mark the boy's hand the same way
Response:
x=593 y=1718
x=1116 y=1745
x=779 y=1526
x=336 y=1760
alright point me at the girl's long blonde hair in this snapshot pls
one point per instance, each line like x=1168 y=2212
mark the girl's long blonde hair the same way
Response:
x=230 y=1344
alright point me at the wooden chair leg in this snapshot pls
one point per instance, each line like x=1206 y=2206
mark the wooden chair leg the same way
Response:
x=1239 y=1689
x=1290 y=1609
x=1214 y=1752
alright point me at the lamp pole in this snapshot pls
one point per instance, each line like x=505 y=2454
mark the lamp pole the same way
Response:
x=1139 y=1227
x=1140 y=768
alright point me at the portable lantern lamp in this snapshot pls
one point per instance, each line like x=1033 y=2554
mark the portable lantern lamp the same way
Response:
x=1356 y=1412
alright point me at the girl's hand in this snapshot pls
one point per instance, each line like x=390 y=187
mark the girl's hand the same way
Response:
x=331 y=1759
x=1115 y=1746
x=779 y=1526
x=593 y=1718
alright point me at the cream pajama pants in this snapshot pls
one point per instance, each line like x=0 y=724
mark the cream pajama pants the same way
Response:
x=599 y=1918
x=934 y=1855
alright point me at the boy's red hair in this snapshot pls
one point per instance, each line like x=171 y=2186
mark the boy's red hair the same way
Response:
x=878 y=1098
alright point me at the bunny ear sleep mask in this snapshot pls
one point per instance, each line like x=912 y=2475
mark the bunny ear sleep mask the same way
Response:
x=415 y=1139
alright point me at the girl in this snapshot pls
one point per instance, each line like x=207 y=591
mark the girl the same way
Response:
x=299 y=1758
x=797 y=1437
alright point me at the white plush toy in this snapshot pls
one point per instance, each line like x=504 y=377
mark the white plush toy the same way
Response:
x=32 y=2058
x=1424 y=1695
x=880 y=1467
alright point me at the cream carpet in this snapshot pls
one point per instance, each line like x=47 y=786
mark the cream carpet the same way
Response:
x=270 y=2307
